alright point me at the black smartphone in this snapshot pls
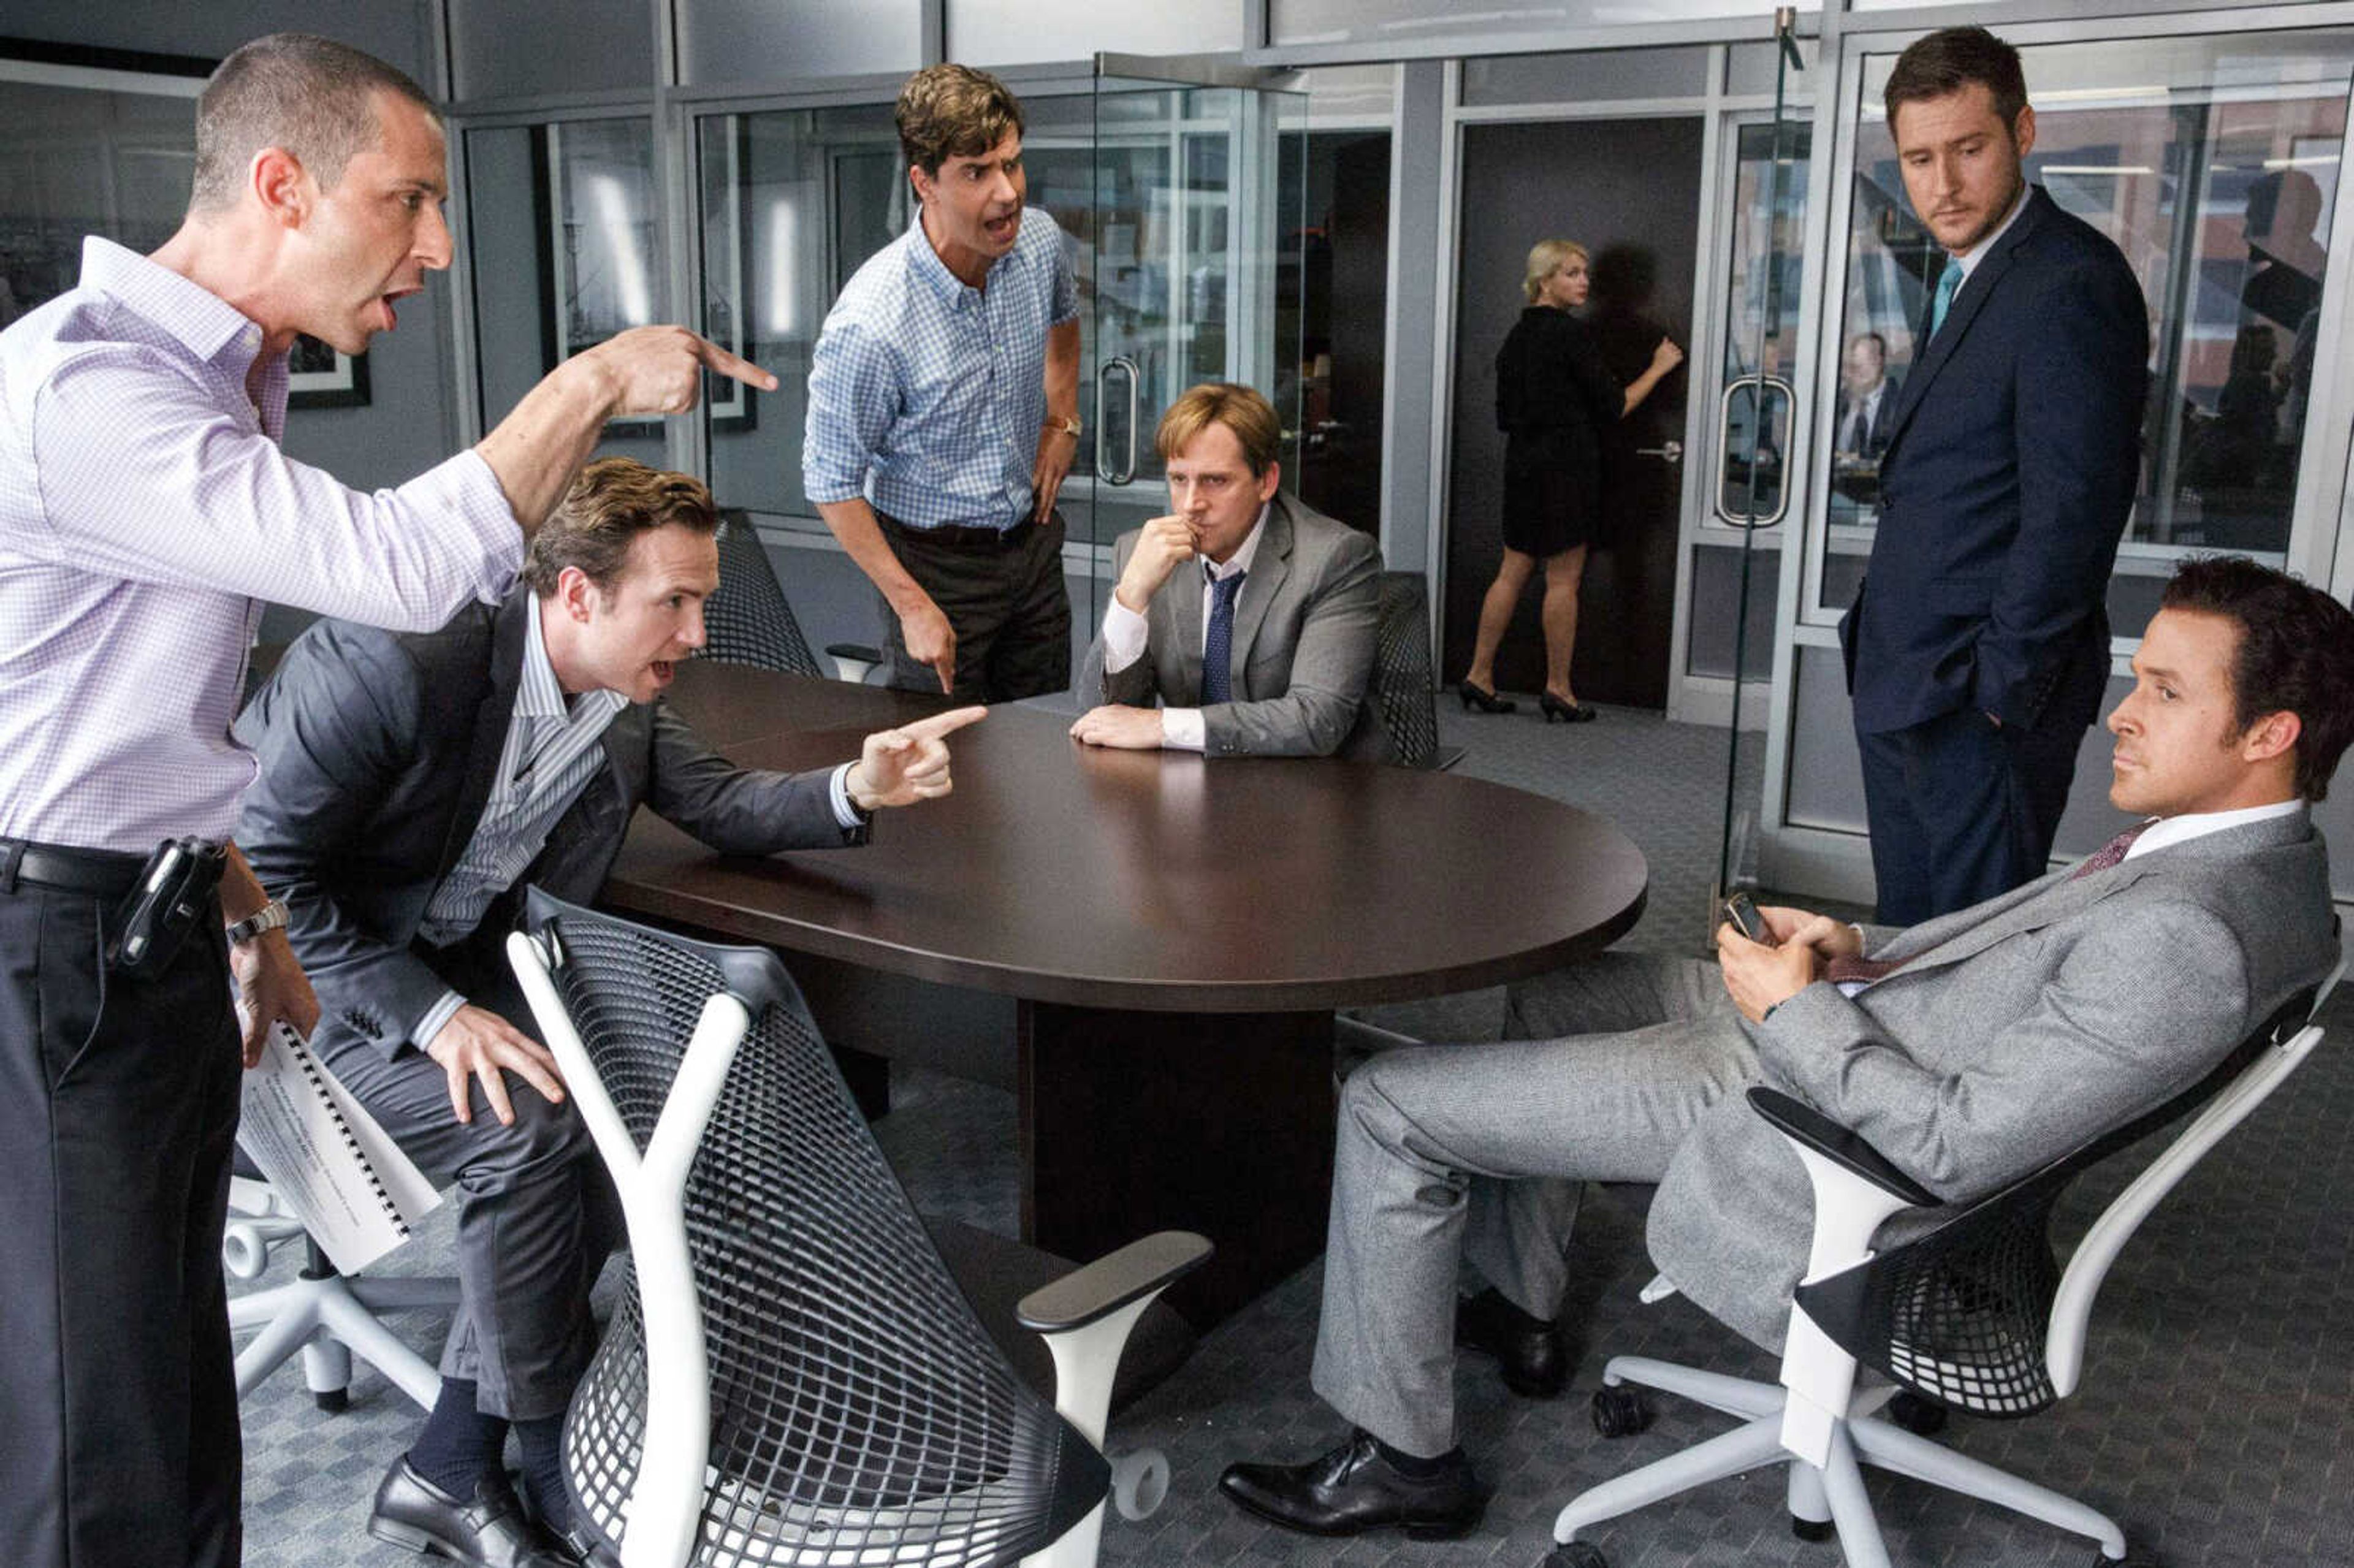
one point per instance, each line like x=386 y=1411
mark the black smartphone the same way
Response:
x=1741 y=910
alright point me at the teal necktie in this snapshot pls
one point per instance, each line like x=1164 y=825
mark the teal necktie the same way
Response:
x=1949 y=282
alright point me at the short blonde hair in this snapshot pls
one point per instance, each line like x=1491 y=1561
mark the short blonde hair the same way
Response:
x=1229 y=403
x=609 y=504
x=1545 y=258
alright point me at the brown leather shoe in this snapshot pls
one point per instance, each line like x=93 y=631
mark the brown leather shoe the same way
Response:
x=1353 y=1490
x=487 y=1532
x=1529 y=1351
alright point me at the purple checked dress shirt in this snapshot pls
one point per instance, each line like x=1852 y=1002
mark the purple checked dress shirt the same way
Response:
x=146 y=512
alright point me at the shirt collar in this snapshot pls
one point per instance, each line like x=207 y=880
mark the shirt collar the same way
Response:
x=541 y=694
x=950 y=290
x=200 y=318
x=1968 y=259
x=1241 y=559
x=2199 y=825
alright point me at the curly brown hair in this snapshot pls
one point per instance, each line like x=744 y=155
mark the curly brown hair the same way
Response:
x=610 y=503
x=950 y=110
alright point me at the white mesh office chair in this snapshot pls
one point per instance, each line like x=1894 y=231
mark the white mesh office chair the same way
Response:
x=794 y=1377
x=1974 y=1316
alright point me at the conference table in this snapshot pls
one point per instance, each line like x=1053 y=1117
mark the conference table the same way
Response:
x=1176 y=931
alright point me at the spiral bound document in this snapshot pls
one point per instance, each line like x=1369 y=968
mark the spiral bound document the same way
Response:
x=329 y=1160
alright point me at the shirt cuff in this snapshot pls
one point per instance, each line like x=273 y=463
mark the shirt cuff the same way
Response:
x=1183 y=729
x=1125 y=635
x=439 y=1013
x=845 y=810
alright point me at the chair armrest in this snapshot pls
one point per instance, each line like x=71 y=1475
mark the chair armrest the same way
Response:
x=1810 y=1128
x=1102 y=1288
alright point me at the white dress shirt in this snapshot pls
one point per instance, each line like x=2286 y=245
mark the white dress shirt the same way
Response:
x=1125 y=635
x=145 y=512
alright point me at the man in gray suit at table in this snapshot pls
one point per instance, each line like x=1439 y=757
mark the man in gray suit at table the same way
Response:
x=1969 y=1050
x=1265 y=647
x=411 y=788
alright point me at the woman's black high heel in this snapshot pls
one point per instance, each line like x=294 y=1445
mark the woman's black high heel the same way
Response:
x=1486 y=701
x=1568 y=712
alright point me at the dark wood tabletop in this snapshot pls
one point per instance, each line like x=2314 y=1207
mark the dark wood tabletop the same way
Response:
x=1143 y=880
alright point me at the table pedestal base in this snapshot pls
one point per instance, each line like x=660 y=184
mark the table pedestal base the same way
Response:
x=1214 y=1122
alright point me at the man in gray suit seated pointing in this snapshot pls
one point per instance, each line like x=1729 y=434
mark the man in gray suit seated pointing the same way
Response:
x=1247 y=614
x=411 y=787
x=1970 y=1050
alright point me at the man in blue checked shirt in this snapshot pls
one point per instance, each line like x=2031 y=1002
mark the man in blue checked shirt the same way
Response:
x=943 y=410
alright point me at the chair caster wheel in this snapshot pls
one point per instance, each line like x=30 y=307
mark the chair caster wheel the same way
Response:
x=1619 y=1413
x=334 y=1401
x=1139 y=1483
x=1814 y=1530
x=1921 y=1417
x=1576 y=1554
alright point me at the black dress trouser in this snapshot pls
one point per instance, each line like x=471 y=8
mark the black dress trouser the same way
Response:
x=118 y=1112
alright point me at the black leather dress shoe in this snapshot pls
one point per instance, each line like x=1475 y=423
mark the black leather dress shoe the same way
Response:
x=1529 y=1351
x=1354 y=1488
x=488 y=1531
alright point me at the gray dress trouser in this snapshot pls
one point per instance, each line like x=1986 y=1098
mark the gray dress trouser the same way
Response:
x=1451 y=1154
x=537 y=1216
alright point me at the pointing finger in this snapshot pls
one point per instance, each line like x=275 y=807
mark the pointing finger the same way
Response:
x=948 y=723
x=734 y=365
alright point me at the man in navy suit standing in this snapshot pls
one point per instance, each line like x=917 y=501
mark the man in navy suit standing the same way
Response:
x=1978 y=649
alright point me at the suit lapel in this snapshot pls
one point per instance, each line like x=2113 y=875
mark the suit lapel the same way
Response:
x=1182 y=597
x=1974 y=293
x=491 y=721
x=1269 y=566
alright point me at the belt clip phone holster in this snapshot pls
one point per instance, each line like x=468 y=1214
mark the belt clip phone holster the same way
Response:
x=174 y=891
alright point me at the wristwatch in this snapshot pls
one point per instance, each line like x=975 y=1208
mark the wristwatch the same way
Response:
x=271 y=917
x=1070 y=427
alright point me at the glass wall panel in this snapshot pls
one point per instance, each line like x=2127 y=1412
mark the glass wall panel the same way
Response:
x=2212 y=162
x=747 y=40
x=1582 y=77
x=76 y=161
x=1417 y=24
x=561 y=222
x=508 y=48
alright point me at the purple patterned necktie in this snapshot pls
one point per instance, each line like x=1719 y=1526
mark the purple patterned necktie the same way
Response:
x=1839 y=972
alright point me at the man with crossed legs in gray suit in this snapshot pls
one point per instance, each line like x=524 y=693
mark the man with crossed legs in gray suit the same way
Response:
x=1969 y=1050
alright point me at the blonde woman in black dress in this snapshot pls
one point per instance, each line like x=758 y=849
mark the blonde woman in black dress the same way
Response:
x=1554 y=397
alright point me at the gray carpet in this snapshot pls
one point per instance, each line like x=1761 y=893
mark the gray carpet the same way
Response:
x=2213 y=1420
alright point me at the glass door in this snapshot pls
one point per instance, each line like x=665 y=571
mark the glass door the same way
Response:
x=1189 y=270
x=1753 y=456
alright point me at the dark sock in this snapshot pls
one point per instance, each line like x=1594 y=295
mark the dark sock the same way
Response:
x=460 y=1444
x=541 y=1444
x=1414 y=1465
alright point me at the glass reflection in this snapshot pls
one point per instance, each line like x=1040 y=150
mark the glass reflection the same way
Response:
x=2211 y=162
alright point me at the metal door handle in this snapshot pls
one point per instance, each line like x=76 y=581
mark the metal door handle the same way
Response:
x=1761 y=387
x=1105 y=471
x=1672 y=451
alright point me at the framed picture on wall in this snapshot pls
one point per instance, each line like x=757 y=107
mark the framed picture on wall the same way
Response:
x=319 y=376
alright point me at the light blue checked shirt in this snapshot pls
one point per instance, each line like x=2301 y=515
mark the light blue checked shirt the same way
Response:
x=145 y=512
x=926 y=397
x=550 y=754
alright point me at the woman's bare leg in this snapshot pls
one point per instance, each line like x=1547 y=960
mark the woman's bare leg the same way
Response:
x=1563 y=573
x=1495 y=614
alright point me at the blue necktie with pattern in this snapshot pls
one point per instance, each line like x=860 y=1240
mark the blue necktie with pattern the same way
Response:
x=1950 y=283
x=1218 y=646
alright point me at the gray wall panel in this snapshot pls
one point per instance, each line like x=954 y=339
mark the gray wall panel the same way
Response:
x=747 y=40
x=507 y=48
x=1420 y=154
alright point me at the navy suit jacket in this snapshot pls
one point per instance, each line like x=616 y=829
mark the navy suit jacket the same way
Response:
x=2009 y=476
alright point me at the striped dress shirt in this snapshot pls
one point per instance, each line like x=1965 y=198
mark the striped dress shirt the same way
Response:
x=146 y=510
x=550 y=755
x=927 y=397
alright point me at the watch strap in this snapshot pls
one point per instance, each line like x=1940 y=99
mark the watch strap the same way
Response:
x=271 y=917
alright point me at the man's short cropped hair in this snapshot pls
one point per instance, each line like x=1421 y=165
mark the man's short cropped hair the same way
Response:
x=312 y=96
x=1950 y=59
x=1229 y=403
x=2295 y=654
x=611 y=502
x=1545 y=258
x=950 y=110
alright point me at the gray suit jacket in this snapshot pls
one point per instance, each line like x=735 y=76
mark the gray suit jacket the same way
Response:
x=376 y=752
x=1303 y=645
x=2017 y=1031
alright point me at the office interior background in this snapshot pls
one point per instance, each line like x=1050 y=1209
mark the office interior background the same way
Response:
x=1331 y=199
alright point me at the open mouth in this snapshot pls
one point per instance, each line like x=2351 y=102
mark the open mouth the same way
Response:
x=663 y=670
x=387 y=300
x=1004 y=229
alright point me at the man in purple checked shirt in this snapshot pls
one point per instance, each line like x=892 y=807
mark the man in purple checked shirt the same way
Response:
x=146 y=512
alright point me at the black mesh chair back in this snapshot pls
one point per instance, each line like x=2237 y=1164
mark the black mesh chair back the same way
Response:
x=1402 y=682
x=749 y=622
x=1961 y=1315
x=859 y=1412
